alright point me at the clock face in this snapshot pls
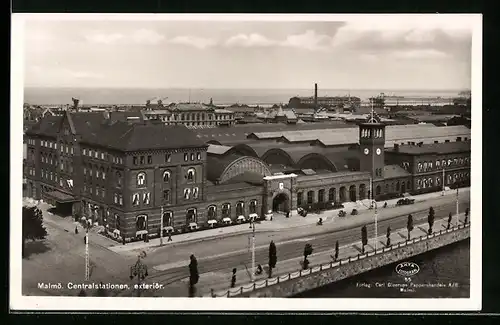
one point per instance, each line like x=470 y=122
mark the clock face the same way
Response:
x=366 y=151
x=378 y=151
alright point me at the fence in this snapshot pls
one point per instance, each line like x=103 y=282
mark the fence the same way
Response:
x=290 y=276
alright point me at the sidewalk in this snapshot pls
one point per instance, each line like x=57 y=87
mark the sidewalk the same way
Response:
x=281 y=223
x=220 y=281
x=330 y=221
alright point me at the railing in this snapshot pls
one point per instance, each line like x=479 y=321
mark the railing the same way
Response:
x=290 y=276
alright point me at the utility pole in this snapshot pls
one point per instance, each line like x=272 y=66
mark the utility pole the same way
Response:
x=87 y=253
x=161 y=226
x=253 y=252
x=458 y=218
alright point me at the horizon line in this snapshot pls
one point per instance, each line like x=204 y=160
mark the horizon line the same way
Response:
x=249 y=88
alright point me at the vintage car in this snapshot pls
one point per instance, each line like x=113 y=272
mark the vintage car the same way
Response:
x=405 y=201
x=342 y=213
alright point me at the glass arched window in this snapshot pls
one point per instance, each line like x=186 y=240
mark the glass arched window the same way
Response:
x=321 y=195
x=438 y=163
x=168 y=218
x=430 y=165
x=212 y=212
x=191 y=175
x=226 y=210
x=141 y=179
x=443 y=163
x=240 y=207
x=253 y=206
x=141 y=222
x=331 y=194
x=195 y=193
x=166 y=176
x=449 y=162
x=431 y=182
x=425 y=165
x=187 y=193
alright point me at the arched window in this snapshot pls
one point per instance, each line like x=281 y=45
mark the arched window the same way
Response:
x=253 y=206
x=419 y=183
x=386 y=188
x=310 y=195
x=240 y=208
x=431 y=182
x=419 y=167
x=425 y=165
x=226 y=210
x=191 y=216
x=438 y=163
x=195 y=193
x=141 y=222
x=212 y=212
x=397 y=186
x=187 y=193
x=331 y=194
x=191 y=175
x=118 y=176
x=168 y=219
x=449 y=162
x=299 y=198
x=321 y=196
x=430 y=165
x=141 y=179
x=166 y=176
x=103 y=173
x=378 y=190
x=117 y=222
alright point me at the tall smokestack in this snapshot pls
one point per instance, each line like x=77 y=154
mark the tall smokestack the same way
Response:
x=315 y=96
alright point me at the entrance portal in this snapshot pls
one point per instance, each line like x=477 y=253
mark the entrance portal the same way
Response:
x=281 y=203
x=352 y=193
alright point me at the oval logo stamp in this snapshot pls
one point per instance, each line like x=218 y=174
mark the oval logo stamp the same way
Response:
x=407 y=269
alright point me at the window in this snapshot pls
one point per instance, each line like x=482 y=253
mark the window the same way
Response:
x=240 y=208
x=186 y=157
x=321 y=196
x=103 y=173
x=134 y=160
x=430 y=165
x=425 y=165
x=187 y=193
x=431 y=182
x=397 y=186
x=191 y=216
x=120 y=198
x=150 y=159
x=166 y=176
x=146 y=198
x=168 y=219
x=443 y=163
x=195 y=193
x=438 y=163
x=192 y=156
x=141 y=179
x=62 y=147
x=96 y=154
x=84 y=152
x=191 y=173
x=67 y=149
x=115 y=198
x=97 y=172
x=310 y=195
x=252 y=207
x=331 y=195
x=135 y=199
x=419 y=167
x=90 y=190
x=226 y=210
x=212 y=212
x=299 y=199
x=118 y=176
x=141 y=160
x=386 y=188
x=141 y=223
x=166 y=195
x=168 y=157
x=72 y=151
x=97 y=191
x=449 y=162
x=198 y=155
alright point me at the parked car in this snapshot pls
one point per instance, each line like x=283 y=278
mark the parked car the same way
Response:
x=405 y=201
x=354 y=212
x=337 y=205
x=342 y=213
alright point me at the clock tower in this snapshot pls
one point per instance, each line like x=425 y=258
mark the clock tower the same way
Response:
x=372 y=143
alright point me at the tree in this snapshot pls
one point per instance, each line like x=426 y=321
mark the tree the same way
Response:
x=272 y=257
x=409 y=225
x=466 y=215
x=364 y=239
x=336 y=250
x=449 y=221
x=33 y=228
x=308 y=249
x=430 y=219
x=194 y=276
x=388 y=236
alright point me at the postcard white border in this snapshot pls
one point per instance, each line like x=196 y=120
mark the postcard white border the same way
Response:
x=19 y=302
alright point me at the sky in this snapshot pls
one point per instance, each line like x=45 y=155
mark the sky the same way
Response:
x=382 y=52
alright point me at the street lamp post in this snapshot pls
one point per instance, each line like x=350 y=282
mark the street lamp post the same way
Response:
x=376 y=223
x=161 y=226
x=442 y=193
x=139 y=270
x=457 y=204
x=252 y=225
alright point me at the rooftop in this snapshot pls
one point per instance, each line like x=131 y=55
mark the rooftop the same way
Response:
x=434 y=148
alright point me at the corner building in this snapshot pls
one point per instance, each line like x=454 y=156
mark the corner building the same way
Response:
x=122 y=175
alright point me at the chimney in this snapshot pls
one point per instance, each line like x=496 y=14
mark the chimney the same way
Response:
x=315 y=96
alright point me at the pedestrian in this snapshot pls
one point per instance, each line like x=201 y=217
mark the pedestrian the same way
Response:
x=233 y=279
x=288 y=214
x=123 y=240
x=169 y=236
x=76 y=230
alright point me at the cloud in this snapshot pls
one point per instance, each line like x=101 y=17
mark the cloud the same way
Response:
x=420 y=54
x=309 y=40
x=146 y=36
x=251 y=40
x=198 y=42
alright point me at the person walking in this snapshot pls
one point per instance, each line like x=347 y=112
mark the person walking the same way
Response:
x=233 y=279
x=169 y=236
x=76 y=230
